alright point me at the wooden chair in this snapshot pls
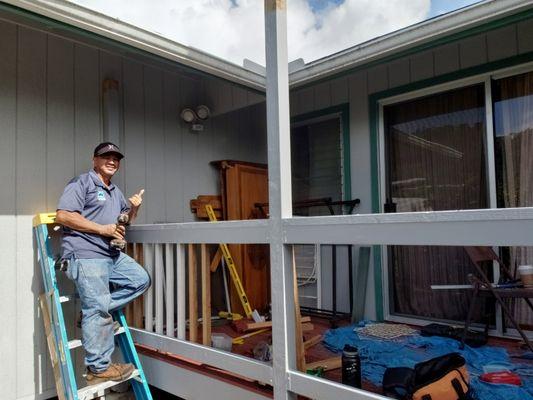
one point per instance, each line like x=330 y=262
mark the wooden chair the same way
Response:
x=484 y=287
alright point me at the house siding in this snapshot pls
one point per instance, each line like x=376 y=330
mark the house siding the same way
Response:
x=355 y=88
x=51 y=118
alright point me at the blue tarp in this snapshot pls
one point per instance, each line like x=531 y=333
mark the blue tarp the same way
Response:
x=377 y=355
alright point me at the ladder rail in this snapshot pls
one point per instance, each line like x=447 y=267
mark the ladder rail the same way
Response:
x=125 y=340
x=55 y=311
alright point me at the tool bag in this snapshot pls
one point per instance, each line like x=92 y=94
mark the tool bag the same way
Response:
x=441 y=378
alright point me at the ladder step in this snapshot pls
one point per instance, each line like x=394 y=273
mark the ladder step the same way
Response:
x=98 y=390
x=73 y=344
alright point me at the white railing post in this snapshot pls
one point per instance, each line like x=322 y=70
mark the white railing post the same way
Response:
x=159 y=281
x=279 y=188
x=181 y=289
x=149 y=295
x=169 y=285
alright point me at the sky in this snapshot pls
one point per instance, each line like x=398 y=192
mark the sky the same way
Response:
x=234 y=29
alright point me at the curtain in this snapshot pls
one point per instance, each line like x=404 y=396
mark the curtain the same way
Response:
x=435 y=161
x=513 y=130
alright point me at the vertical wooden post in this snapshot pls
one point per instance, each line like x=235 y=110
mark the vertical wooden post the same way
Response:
x=300 y=349
x=138 y=303
x=206 y=297
x=193 y=296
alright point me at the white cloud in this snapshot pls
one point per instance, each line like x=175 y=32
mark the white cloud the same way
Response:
x=236 y=32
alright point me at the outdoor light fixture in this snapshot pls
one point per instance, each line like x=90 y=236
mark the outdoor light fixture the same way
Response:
x=193 y=117
x=188 y=115
x=202 y=112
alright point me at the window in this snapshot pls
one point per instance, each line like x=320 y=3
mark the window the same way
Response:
x=513 y=154
x=317 y=173
x=435 y=161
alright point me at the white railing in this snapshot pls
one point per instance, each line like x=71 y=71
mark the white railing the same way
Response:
x=164 y=254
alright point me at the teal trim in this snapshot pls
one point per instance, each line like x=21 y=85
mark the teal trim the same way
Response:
x=483 y=28
x=373 y=104
x=121 y=47
x=344 y=110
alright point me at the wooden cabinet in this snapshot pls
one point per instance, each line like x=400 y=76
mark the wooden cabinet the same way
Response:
x=243 y=185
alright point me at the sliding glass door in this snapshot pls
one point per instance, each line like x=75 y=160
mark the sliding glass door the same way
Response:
x=435 y=160
x=513 y=151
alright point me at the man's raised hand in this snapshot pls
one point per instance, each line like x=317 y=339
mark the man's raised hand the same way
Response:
x=136 y=199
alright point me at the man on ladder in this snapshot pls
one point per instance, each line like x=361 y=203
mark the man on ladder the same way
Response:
x=88 y=210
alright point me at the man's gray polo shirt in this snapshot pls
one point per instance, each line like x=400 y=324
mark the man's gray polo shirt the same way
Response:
x=99 y=203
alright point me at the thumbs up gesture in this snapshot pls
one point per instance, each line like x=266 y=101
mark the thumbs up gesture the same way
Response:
x=136 y=199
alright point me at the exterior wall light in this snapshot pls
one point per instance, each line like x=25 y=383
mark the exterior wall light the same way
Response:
x=195 y=118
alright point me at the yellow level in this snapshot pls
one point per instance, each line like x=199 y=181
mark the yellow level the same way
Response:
x=231 y=267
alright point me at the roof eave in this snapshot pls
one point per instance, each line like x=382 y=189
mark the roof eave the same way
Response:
x=88 y=20
x=408 y=38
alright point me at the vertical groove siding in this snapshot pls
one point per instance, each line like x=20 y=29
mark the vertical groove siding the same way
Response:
x=355 y=89
x=51 y=119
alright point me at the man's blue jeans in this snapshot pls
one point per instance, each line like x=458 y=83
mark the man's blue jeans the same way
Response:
x=94 y=277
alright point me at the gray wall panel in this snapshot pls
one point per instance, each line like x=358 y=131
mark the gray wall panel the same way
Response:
x=134 y=164
x=501 y=43
x=8 y=299
x=339 y=91
x=88 y=127
x=172 y=151
x=8 y=112
x=110 y=67
x=525 y=36
x=31 y=198
x=422 y=66
x=60 y=166
x=446 y=58
x=378 y=79
x=473 y=51
x=306 y=100
x=154 y=206
x=31 y=122
x=322 y=96
x=399 y=72
x=8 y=220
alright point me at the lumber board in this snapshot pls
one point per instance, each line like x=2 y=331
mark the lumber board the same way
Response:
x=250 y=326
x=216 y=260
x=327 y=364
x=52 y=346
x=311 y=342
x=307 y=327
x=198 y=206
x=298 y=329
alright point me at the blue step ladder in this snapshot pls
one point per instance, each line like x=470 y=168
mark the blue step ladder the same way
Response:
x=56 y=333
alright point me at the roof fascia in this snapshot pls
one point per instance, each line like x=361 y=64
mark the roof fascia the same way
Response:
x=72 y=15
x=463 y=23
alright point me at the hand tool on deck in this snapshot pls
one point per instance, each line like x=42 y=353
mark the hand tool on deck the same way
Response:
x=60 y=346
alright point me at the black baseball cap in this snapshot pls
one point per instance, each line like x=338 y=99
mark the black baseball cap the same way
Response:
x=107 y=147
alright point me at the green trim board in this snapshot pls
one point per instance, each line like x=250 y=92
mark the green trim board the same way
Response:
x=123 y=48
x=373 y=101
x=483 y=28
x=344 y=110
